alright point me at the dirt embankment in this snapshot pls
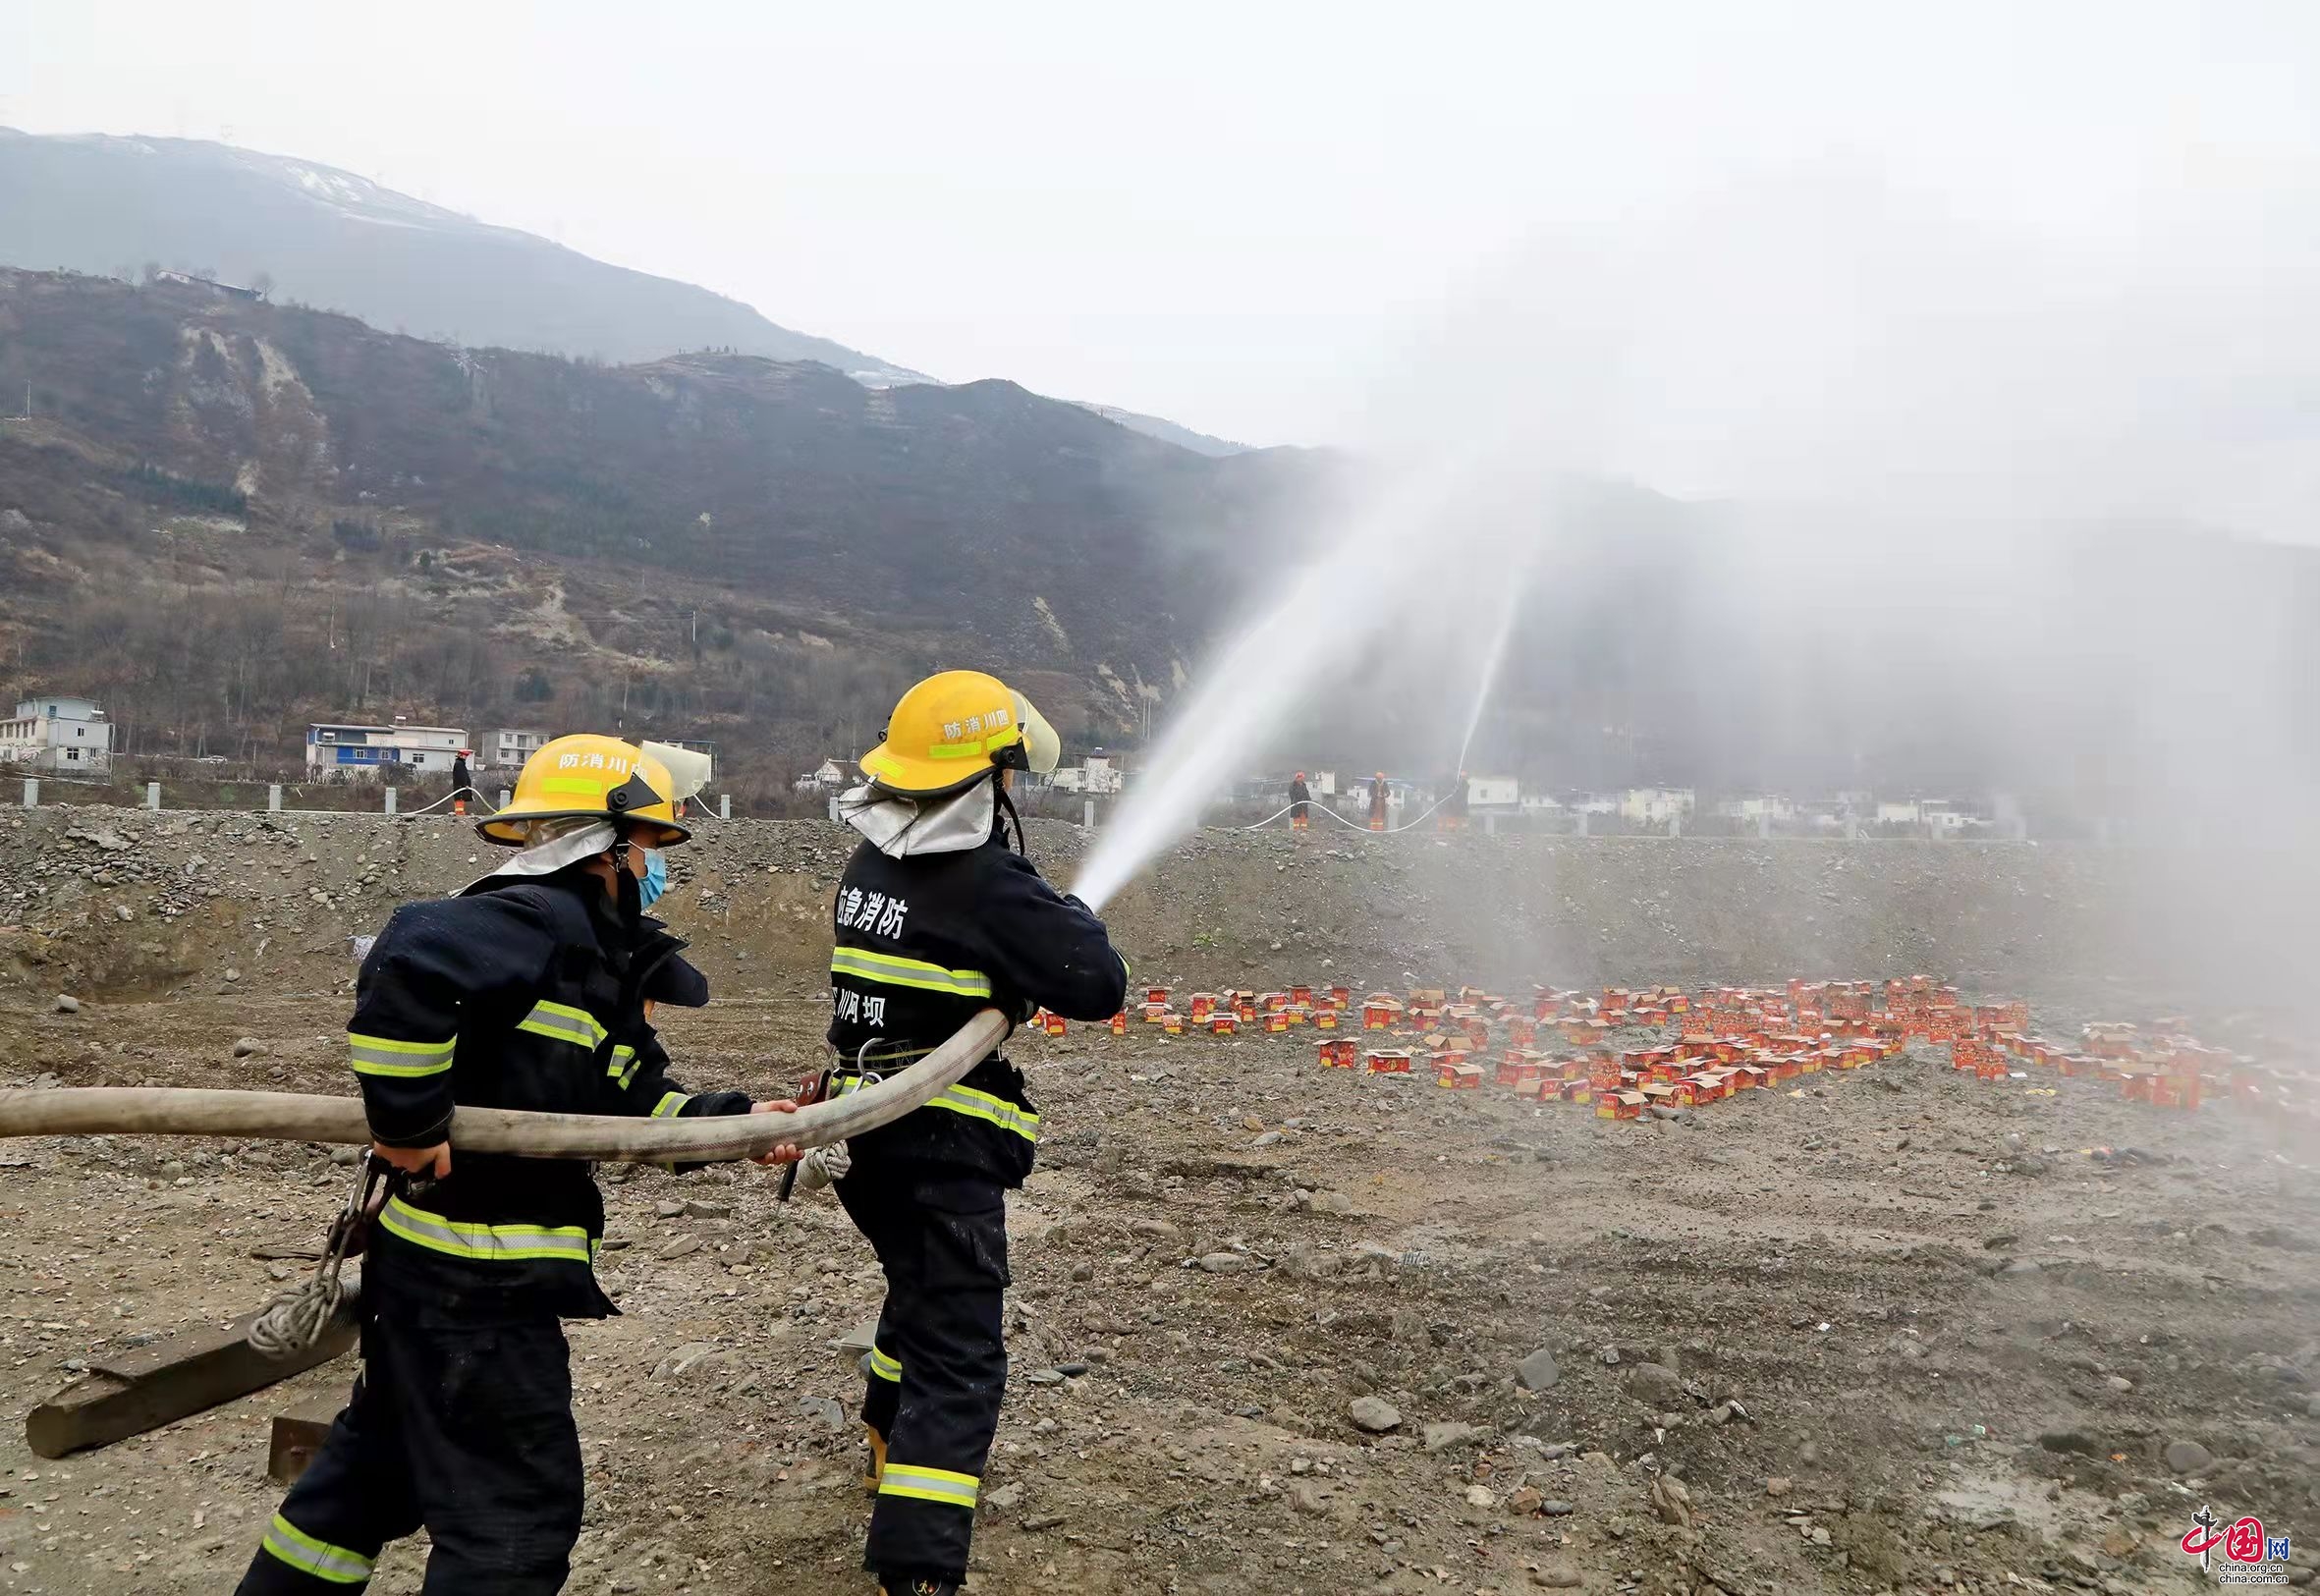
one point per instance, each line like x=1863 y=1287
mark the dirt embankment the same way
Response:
x=124 y=904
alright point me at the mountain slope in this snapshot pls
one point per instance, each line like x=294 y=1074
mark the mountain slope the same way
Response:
x=332 y=238
x=336 y=520
x=1153 y=426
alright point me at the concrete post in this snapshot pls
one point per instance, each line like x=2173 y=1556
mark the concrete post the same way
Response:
x=1490 y=823
x=1763 y=827
x=32 y=791
x=725 y=805
x=274 y=798
x=390 y=800
x=834 y=806
x=153 y=794
x=1087 y=814
x=505 y=797
x=1852 y=828
x=1675 y=826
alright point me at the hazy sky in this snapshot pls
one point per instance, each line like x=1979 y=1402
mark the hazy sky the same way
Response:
x=1742 y=248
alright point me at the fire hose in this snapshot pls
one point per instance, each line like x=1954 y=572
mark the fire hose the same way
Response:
x=305 y=1323
x=171 y=1111
x=1352 y=825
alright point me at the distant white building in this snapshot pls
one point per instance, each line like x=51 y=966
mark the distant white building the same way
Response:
x=1540 y=803
x=1492 y=793
x=830 y=776
x=508 y=747
x=68 y=736
x=1656 y=805
x=340 y=750
x=1891 y=813
x=1760 y=807
x=1098 y=777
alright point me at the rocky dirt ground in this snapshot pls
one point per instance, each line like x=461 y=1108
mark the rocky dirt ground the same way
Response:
x=1274 y=1330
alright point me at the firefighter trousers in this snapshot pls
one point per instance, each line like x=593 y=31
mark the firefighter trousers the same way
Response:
x=938 y=1366
x=466 y=1430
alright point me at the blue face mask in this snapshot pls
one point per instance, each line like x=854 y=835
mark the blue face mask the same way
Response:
x=654 y=881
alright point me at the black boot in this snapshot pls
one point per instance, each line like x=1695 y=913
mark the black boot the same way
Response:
x=919 y=1586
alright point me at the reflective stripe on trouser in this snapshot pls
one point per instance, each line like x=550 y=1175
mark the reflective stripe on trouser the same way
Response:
x=973 y=1104
x=332 y=1565
x=941 y=1330
x=466 y=1431
x=487 y=1244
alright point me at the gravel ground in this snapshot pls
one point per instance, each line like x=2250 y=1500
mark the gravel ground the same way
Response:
x=1275 y=1329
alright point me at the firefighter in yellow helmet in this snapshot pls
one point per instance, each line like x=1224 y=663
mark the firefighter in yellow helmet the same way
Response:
x=525 y=991
x=940 y=916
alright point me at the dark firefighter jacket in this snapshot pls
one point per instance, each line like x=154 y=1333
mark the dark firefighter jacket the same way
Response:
x=926 y=941
x=527 y=995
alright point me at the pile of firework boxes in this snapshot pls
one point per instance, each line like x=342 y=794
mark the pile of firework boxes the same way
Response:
x=2160 y=1064
x=1626 y=1051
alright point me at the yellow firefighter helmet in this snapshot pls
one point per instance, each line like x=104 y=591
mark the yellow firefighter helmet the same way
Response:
x=587 y=777
x=953 y=728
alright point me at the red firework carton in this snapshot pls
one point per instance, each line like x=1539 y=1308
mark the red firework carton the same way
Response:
x=1203 y=1005
x=1603 y=1071
x=1298 y=1014
x=1509 y=1068
x=1529 y=1074
x=1325 y=1020
x=1577 y=1092
x=1120 y=1023
x=1156 y=994
x=1469 y=1077
x=1810 y=1061
x=1750 y=1076
x=1380 y=1011
x=2137 y=1079
x=1301 y=992
x=1619 y=1105
x=1336 y=1055
x=1172 y=1023
x=1273 y=1002
x=1055 y=1025
x=1429 y=997
x=1244 y=1008
x=1224 y=1023
x=1522 y=1031
x=1342 y=996
x=1389 y=1061
x=2176 y=1091
x=1714 y=1086
x=1685 y=1093
x=1276 y=1021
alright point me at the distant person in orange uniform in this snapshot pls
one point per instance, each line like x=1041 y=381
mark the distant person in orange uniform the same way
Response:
x=1300 y=803
x=1377 y=802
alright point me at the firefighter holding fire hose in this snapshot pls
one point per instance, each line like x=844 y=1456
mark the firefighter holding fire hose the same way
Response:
x=526 y=991
x=938 y=916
